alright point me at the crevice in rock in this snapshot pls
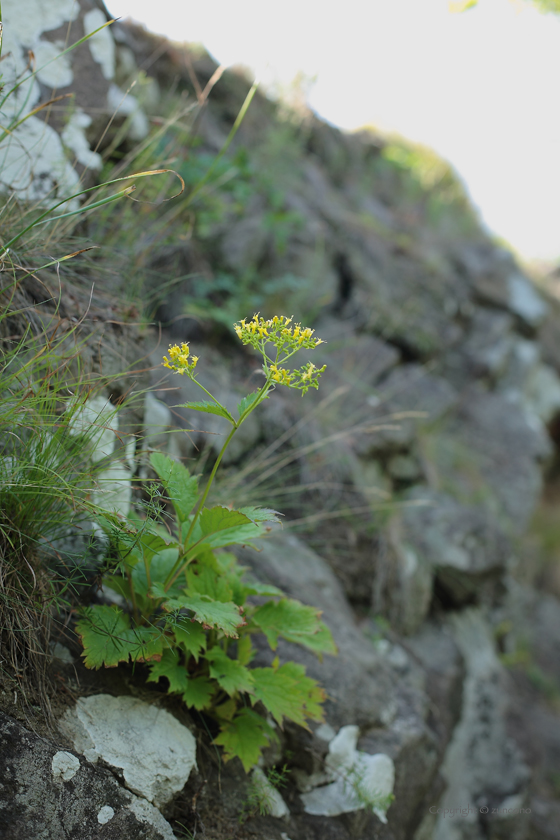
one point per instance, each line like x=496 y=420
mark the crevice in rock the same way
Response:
x=346 y=280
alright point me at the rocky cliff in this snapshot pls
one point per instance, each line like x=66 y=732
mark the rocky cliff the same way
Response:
x=409 y=481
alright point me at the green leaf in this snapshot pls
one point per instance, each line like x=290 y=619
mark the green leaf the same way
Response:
x=190 y=634
x=247 y=402
x=108 y=638
x=225 y=617
x=181 y=486
x=118 y=584
x=204 y=581
x=295 y=622
x=312 y=694
x=196 y=691
x=321 y=642
x=170 y=668
x=137 y=547
x=219 y=526
x=288 y=693
x=229 y=673
x=256 y=514
x=255 y=587
x=244 y=737
x=245 y=652
x=208 y=408
x=160 y=566
x=102 y=632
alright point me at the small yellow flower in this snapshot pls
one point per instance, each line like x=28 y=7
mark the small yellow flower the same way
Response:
x=180 y=360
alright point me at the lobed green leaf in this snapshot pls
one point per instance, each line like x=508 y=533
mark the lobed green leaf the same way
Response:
x=214 y=614
x=195 y=691
x=230 y=674
x=288 y=693
x=256 y=514
x=294 y=622
x=108 y=639
x=208 y=408
x=189 y=634
x=247 y=402
x=244 y=737
x=219 y=526
x=181 y=486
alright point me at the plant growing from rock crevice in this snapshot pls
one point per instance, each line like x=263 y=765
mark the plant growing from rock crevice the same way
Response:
x=189 y=613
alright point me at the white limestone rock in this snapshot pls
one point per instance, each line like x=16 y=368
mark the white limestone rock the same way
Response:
x=153 y=750
x=114 y=489
x=101 y=44
x=64 y=765
x=271 y=796
x=357 y=780
x=98 y=420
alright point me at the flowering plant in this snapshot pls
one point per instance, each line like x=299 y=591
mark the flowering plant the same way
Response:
x=188 y=611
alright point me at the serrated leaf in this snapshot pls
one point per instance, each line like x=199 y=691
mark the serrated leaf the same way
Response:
x=208 y=408
x=170 y=668
x=229 y=673
x=321 y=642
x=102 y=632
x=288 y=693
x=180 y=485
x=140 y=546
x=247 y=402
x=257 y=514
x=160 y=567
x=226 y=711
x=108 y=638
x=265 y=590
x=198 y=693
x=219 y=526
x=225 y=617
x=295 y=622
x=244 y=737
x=204 y=581
x=189 y=634
x=245 y=652
x=313 y=694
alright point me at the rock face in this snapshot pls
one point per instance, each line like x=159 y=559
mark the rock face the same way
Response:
x=44 y=156
x=47 y=793
x=418 y=466
x=152 y=750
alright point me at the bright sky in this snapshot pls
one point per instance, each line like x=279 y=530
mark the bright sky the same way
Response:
x=482 y=88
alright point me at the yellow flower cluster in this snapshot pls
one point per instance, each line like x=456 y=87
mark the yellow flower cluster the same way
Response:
x=277 y=331
x=180 y=359
x=281 y=375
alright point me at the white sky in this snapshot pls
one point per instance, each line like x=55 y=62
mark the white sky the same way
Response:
x=482 y=88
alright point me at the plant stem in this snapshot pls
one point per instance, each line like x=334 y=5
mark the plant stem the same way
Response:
x=133 y=596
x=181 y=564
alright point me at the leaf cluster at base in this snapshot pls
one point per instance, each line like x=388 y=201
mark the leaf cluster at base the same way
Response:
x=190 y=616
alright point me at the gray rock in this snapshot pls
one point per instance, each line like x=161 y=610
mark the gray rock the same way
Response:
x=462 y=544
x=525 y=301
x=50 y=793
x=501 y=449
x=154 y=752
x=410 y=398
x=482 y=766
x=357 y=680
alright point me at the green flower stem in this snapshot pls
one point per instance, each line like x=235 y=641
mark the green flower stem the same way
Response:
x=132 y=596
x=182 y=563
x=212 y=397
